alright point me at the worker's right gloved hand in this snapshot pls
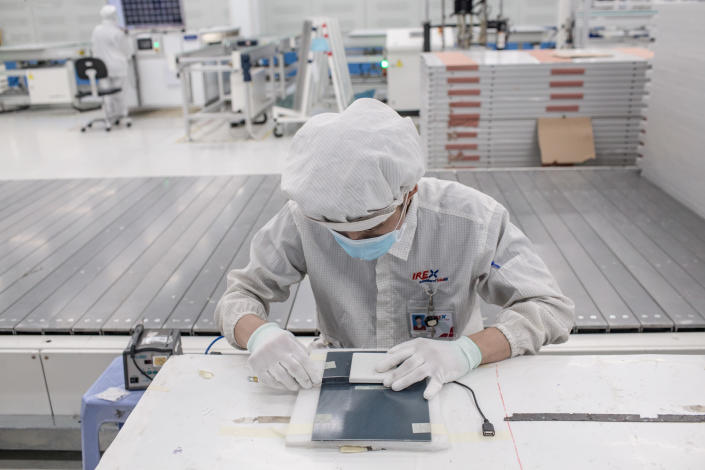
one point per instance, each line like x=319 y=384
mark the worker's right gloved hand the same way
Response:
x=280 y=361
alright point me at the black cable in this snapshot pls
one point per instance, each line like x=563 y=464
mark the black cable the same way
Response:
x=474 y=398
x=487 y=426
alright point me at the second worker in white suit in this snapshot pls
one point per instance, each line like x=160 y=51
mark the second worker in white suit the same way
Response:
x=395 y=261
x=111 y=45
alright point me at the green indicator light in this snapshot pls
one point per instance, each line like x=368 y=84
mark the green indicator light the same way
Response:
x=155 y=44
x=384 y=63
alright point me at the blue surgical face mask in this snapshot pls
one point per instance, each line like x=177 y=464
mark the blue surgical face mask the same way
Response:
x=369 y=249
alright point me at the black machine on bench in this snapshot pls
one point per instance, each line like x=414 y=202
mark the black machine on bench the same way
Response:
x=146 y=353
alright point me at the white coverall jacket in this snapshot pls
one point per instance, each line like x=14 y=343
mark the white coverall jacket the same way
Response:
x=112 y=46
x=461 y=234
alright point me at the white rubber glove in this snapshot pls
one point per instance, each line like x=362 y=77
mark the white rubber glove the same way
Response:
x=280 y=361
x=440 y=361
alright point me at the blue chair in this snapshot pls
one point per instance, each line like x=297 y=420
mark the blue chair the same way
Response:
x=96 y=411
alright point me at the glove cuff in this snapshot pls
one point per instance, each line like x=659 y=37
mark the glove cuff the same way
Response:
x=471 y=351
x=261 y=335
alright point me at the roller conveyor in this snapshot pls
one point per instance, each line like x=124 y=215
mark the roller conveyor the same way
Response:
x=99 y=256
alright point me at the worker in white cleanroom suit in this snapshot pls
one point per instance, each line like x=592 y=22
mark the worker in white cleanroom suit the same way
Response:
x=112 y=46
x=395 y=261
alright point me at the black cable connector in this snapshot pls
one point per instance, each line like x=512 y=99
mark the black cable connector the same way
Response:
x=487 y=429
x=487 y=426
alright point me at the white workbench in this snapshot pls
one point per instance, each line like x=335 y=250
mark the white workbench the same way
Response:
x=186 y=419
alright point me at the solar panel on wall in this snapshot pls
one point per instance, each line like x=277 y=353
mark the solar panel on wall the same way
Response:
x=152 y=13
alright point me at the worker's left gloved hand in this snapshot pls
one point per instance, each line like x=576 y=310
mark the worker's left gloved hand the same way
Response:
x=440 y=361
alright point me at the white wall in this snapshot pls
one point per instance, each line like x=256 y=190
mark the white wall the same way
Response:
x=39 y=21
x=674 y=150
x=528 y=12
x=32 y=21
x=245 y=14
x=206 y=13
x=285 y=16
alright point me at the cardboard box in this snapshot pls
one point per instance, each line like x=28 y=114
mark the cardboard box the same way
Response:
x=565 y=141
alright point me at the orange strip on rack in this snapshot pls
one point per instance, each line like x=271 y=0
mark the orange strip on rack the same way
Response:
x=463 y=120
x=462 y=157
x=574 y=83
x=566 y=96
x=466 y=104
x=464 y=80
x=463 y=92
x=455 y=60
x=567 y=71
x=454 y=121
x=550 y=109
x=458 y=135
x=461 y=146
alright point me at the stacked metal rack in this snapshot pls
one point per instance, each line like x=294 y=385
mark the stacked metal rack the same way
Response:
x=250 y=78
x=479 y=108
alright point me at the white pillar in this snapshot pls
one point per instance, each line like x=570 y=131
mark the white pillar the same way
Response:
x=245 y=14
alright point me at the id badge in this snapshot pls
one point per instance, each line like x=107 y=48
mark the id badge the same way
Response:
x=437 y=324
